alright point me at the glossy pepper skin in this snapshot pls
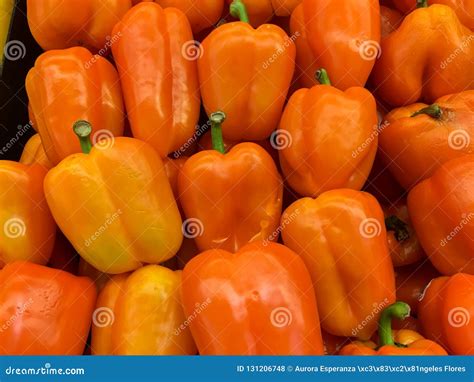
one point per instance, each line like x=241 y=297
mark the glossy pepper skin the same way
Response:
x=246 y=73
x=156 y=60
x=259 y=300
x=33 y=152
x=343 y=38
x=53 y=310
x=446 y=312
x=401 y=342
x=324 y=122
x=417 y=138
x=142 y=314
x=71 y=84
x=464 y=8
x=57 y=24
x=115 y=204
x=442 y=63
x=441 y=211
x=403 y=243
x=230 y=199
x=27 y=227
x=343 y=227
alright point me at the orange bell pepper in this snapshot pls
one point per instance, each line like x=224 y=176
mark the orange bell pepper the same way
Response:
x=246 y=73
x=27 y=227
x=159 y=78
x=390 y=19
x=464 y=8
x=115 y=204
x=58 y=24
x=412 y=280
x=435 y=61
x=44 y=311
x=33 y=152
x=343 y=38
x=62 y=89
x=230 y=199
x=441 y=211
x=319 y=123
x=141 y=314
x=340 y=236
x=446 y=312
x=401 y=342
x=259 y=301
x=418 y=138
x=403 y=244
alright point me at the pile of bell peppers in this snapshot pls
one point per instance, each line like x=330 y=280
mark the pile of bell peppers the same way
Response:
x=243 y=177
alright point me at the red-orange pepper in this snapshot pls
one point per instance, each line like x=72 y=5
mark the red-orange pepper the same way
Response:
x=27 y=227
x=342 y=36
x=440 y=208
x=44 y=311
x=155 y=57
x=390 y=19
x=446 y=312
x=259 y=301
x=246 y=73
x=230 y=199
x=67 y=85
x=433 y=62
x=402 y=342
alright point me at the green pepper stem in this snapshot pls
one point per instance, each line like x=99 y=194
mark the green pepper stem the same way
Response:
x=239 y=11
x=400 y=310
x=394 y=223
x=422 y=3
x=322 y=77
x=434 y=111
x=217 y=119
x=83 y=130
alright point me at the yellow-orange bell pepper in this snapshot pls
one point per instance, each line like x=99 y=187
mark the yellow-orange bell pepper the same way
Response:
x=27 y=229
x=141 y=314
x=342 y=239
x=59 y=24
x=156 y=60
x=33 y=152
x=115 y=204
x=67 y=85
